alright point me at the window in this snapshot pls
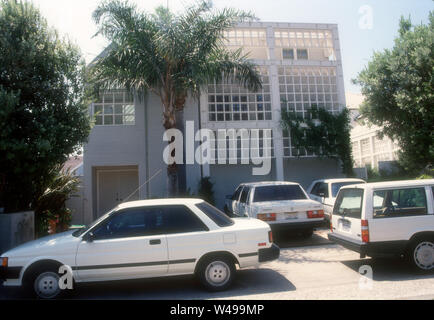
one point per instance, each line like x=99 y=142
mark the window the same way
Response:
x=302 y=54
x=400 y=202
x=278 y=193
x=215 y=214
x=288 y=54
x=337 y=186
x=125 y=224
x=349 y=203
x=244 y=194
x=315 y=188
x=173 y=220
x=236 y=195
x=114 y=108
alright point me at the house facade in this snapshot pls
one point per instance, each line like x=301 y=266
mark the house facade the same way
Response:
x=300 y=65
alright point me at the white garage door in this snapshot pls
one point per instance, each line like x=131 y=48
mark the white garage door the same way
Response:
x=114 y=187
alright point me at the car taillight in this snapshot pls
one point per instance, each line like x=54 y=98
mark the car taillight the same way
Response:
x=270 y=236
x=316 y=214
x=365 y=231
x=267 y=216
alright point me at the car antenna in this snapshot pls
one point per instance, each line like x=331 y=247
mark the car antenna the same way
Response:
x=147 y=181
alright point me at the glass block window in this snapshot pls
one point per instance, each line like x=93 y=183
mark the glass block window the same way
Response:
x=244 y=146
x=114 y=108
x=252 y=41
x=302 y=87
x=319 y=42
x=230 y=102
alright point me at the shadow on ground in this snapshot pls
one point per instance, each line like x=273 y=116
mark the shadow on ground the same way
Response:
x=248 y=282
x=389 y=269
x=292 y=239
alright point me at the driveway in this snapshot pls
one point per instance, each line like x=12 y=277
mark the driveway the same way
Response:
x=307 y=269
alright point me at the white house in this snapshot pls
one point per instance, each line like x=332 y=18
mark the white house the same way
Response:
x=301 y=65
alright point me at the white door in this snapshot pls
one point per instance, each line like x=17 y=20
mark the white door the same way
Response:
x=114 y=187
x=347 y=213
x=121 y=249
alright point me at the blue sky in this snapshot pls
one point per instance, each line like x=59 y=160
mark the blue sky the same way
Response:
x=73 y=18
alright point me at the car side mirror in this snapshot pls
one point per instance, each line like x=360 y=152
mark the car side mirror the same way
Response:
x=89 y=237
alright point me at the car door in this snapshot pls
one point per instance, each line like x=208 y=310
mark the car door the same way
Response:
x=235 y=198
x=122 y=248
x=188 y=238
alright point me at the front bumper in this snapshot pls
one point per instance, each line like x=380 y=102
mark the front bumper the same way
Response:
x=10 y=273
x=269 y=254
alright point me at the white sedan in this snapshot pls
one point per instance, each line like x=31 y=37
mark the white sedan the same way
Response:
x=143 y=239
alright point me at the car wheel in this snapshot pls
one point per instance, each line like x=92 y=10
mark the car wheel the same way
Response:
x=421 y=255
x=46 y=285
x=217 y=274
x=308 y=233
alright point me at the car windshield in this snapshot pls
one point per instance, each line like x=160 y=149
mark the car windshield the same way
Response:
x=279 y=193
x=337 y=186
x=79 y=232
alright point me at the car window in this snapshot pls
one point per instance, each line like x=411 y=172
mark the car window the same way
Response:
x=323 y=190
x=278 y=193
x=349 y=203
x=244 y=194
x=400 y=202
x=125 y=224
x=172 y=220
x=236 y=195
x=215 y=214
x=315 y=188
x=337 y=186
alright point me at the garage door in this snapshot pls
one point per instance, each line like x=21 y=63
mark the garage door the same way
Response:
x=114 y=187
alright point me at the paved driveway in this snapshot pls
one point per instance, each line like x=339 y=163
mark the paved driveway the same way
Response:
x=307 y=269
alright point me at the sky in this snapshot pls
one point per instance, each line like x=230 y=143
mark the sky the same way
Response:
x=365 y=26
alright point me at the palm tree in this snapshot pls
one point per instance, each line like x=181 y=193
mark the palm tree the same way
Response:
x=169 y=55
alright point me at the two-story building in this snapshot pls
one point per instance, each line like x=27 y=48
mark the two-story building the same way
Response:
x=301 y=66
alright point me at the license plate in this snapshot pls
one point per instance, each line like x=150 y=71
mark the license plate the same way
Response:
x=345 y=224
x=291 y=216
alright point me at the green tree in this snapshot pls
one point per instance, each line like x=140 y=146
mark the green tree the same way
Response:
x=43 y=105
x=169 y=55
x=398 y=86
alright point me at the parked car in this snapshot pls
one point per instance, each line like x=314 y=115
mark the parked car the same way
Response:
x=326 y=190
x=284 y=205
x=387 y=219
x=144 y=239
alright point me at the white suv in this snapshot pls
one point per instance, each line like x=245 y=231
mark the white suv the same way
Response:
x=326 y=190
x=284 y=205
x=387 y=219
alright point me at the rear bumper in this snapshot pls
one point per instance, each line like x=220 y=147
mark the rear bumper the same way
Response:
x=297 y=225
x=269 y=254
x=372 y=249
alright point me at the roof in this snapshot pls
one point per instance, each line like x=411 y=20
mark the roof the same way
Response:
x=158 y=202
x=340 y=180
x=269 y=183
x=395 y=184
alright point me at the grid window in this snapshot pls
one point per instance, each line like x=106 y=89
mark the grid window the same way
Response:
x=288 y=54
x=114 y=108
x=230 y=102
x=319 y=43
x=252 y=41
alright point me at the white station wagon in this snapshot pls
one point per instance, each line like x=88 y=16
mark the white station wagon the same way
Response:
x=144 y=239
x=283 y=205
x=387 y=219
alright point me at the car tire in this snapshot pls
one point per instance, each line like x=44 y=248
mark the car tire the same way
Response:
x=216 y=274
x=421 y=254
x=306 y=234
x=44 y=284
